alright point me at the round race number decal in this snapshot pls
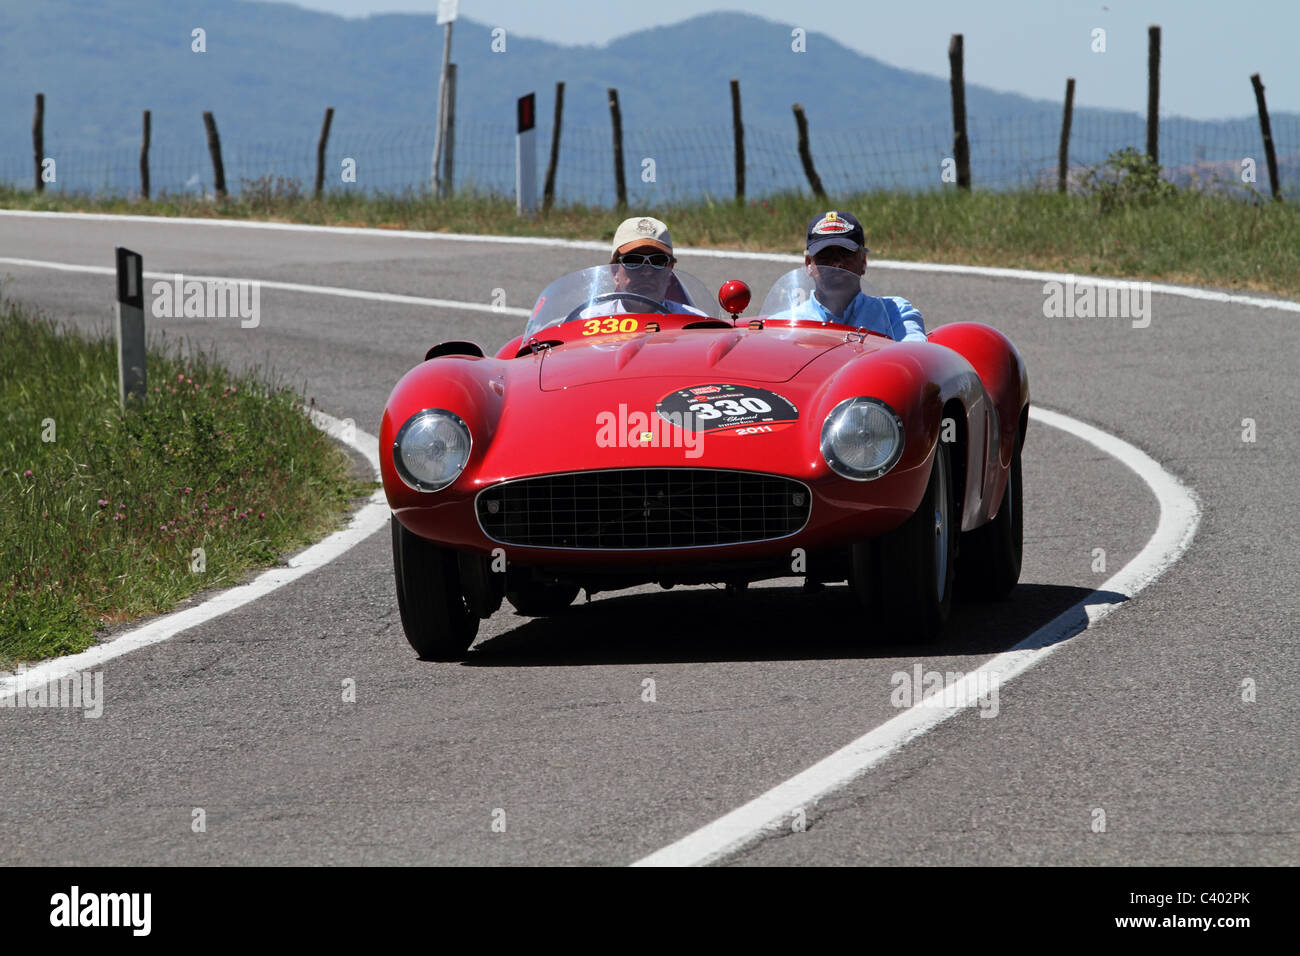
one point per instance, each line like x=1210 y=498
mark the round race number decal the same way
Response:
x=706 y=408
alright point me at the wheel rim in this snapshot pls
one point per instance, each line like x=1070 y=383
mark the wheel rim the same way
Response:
x=941 y=528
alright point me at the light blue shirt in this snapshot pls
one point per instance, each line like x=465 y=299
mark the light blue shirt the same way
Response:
x=888 y=315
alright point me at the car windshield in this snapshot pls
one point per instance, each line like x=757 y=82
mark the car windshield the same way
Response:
x=615 y=289
x=814 y=292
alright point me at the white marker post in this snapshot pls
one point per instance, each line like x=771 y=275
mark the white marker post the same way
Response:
x=130 y=326
x=526 y=155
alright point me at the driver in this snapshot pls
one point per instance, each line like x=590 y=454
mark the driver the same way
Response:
x=642 y=260
x=836 y=259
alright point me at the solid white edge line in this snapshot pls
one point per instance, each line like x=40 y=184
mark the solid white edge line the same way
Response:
x=274 y=284
x=1032 y=275
x=772 y=811
x=368 y=519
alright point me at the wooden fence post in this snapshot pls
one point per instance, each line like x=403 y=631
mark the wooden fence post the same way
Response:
x=1266 y=129
x=144 y=157
x=805 y=153
x=616 y=118
x=440 y=130
x=1153 y=94
x=960 y=142
x=738 y=129
x=548 y=192
x=38 y=139
x=1063 y=162
x=214 y=150
x=320 y=149
x=449 y=140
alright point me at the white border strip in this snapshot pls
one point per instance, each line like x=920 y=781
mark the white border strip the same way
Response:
x=772 y=812
x=1188 y=292
x=286 y=286
x=366 y=521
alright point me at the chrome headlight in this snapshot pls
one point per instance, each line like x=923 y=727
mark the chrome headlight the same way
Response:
x=431 y=449
x=862 y=438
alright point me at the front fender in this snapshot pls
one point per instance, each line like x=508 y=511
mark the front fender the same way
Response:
x=468 y=385
x=918 y=381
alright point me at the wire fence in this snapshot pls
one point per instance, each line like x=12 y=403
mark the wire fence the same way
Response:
x=686 y=163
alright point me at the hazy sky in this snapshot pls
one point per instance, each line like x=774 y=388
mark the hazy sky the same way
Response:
x=1023 y=46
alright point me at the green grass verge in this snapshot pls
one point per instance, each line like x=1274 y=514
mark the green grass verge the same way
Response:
x=1187 y=236
x=100 y=513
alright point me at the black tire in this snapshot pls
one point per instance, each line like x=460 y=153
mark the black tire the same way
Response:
x=538 y=598
x=989 y=566
x=912 y=568
x=438 y=622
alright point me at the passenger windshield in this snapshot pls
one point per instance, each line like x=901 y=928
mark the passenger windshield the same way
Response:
x=814 y=292
x=615 y=290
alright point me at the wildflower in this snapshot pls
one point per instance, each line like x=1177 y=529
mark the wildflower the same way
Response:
x=103 y=502
x=27 y=473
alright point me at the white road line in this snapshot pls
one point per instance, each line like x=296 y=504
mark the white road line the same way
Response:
x=1031 y=275
x=372 y=516
x=772 y=812
x=286 y=286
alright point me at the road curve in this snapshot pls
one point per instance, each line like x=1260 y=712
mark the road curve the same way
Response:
x=1142 y=716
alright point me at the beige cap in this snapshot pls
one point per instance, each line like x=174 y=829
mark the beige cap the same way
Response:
x=642 y=231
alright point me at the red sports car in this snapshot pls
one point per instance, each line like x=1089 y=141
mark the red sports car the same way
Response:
x=629 y=438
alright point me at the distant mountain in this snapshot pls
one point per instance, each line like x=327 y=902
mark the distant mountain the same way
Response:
x=269 y=71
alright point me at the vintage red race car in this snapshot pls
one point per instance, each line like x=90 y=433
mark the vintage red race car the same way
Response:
x=627 y=438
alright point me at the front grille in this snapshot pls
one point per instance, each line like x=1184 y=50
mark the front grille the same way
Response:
x=639 y=508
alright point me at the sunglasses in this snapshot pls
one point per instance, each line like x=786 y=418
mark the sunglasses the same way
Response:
x=833 y=254
x=635 y=260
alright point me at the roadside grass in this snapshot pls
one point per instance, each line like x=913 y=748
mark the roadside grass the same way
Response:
x=1243 y=242
x=100 y=514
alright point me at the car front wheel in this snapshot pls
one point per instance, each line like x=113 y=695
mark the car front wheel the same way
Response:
x=913 y=566
x=438 y=622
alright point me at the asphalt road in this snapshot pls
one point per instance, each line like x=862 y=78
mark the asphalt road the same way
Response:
x=1141 y=716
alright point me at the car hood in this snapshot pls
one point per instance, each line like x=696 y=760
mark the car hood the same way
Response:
x=767 y=355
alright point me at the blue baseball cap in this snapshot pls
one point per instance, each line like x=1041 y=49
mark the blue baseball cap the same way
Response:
x=835 y=229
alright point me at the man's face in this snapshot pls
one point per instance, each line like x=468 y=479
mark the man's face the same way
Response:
x=837 y=272
x=840 y=258
x=639 y=275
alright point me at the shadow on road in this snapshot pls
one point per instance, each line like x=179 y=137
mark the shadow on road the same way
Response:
x=761 y=624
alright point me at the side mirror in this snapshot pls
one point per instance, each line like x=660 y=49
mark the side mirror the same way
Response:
x=733 y=297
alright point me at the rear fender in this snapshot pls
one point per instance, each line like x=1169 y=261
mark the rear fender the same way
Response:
x=1001 y=370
